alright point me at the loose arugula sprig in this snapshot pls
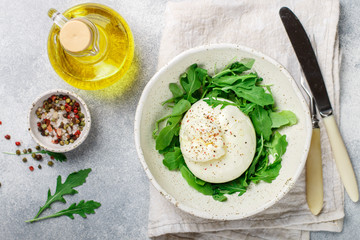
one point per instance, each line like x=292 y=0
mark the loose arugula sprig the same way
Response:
x=244 y=91
x=82 y=209
x=75 y=179
x=67 y=188
x=57 y=156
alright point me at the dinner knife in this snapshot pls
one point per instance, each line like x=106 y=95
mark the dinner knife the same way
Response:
x=310 y=66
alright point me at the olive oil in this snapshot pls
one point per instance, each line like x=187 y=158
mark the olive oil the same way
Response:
x=114 y=45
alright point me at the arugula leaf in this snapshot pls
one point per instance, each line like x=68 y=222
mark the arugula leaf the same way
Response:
x=175 y=142
x=256 y=95
x=205 y=189
x=233 y=79
x=176 y=90
x=283 y=118
x=248 y=108
x=263 y=161
x=251 y=169
x=248 y=83
x=244 y=87
x=82 y=209
x=199 y=181
x=166 y=135
x=215 y=102
x=57 y=156
x=180 y=108
x=177 y=94
x=176 y=121
x=262 y=122
x=213 y=94
x=236 y=68
x=191 y=83
x=157 y=123
x=269 y=173
x=244 y=65
x=75 y=179
x=202 y=75
x=238 y=185
x=173 y=160
x=219 y=197
x=277 y=146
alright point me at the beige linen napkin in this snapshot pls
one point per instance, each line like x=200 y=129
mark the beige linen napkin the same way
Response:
x=256 y=24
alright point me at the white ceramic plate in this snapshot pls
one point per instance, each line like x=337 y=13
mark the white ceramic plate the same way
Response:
x=171 y=184
x=45 y=142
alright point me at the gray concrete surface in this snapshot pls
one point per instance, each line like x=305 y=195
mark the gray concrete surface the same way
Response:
x=117 y=180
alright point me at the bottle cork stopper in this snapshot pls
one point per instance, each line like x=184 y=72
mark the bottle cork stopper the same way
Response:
x=75 y=36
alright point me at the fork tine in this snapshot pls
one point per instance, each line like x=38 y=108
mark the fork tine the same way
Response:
x=304 y=85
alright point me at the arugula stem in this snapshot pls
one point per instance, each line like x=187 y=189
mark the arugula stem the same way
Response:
x=58 y=214
x=223 y=72
x=9 y=153
x=162 y=119
x=57 y=156
x=21 y=153
x=42 y=218
x=44 y=207
x=157 y=124
x=205 y=92
x=82 y=208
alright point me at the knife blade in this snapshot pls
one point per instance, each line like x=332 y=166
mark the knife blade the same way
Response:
x=308 y=61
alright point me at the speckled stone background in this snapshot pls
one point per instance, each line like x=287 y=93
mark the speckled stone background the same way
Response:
x=117 y=180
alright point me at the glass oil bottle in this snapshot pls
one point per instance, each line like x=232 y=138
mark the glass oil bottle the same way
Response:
x=90 y=46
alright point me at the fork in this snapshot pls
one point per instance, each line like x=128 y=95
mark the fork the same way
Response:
x=314 y=178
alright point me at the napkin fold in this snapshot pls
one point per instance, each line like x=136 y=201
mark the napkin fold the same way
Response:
x=257 y=24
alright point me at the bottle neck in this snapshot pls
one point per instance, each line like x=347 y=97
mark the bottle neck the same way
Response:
x=57 y=17
x=79 y=37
